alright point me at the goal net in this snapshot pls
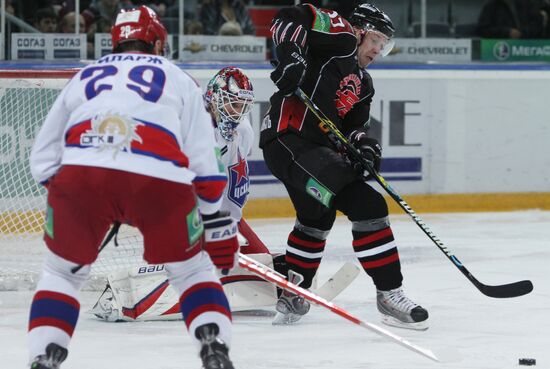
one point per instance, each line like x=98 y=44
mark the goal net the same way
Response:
x=25 y=99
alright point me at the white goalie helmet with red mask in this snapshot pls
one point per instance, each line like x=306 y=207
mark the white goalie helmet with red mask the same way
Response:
x=229 y=97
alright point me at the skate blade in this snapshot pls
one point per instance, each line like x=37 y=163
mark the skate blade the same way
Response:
x=285 y=319
x=393 y=322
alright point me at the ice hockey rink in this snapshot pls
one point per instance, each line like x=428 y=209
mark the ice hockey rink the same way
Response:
x=468 y=329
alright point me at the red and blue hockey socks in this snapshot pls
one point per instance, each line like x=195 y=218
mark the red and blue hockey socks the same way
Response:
x=55 y=307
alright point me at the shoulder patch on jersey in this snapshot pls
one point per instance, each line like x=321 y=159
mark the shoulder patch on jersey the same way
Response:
x=321 y=22
x=221 y=166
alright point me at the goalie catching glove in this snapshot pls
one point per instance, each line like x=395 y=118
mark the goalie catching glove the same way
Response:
x=369 y=147
x=220 y=232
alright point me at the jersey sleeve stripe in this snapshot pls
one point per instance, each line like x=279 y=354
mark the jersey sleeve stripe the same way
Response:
x=210 y=188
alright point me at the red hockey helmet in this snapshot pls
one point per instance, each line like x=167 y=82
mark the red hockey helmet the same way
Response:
x=139 y=24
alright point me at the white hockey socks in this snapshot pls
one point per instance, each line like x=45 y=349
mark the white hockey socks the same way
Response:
x=202 y=299
x=55 y=307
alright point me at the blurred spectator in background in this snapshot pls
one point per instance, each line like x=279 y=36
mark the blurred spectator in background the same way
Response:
x=159 y=6
x=193 y=27
x=9 y=7
x=214 y=13
x=99 y=18
x=45 y=20
x=544 y=6
x=512 y=19
x=190 y=9
x=104 y=11
x=27 y=9
x=68 y=24
x=67 y=6
x=230 y=28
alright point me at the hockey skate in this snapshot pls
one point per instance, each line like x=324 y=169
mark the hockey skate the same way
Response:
x=55 y=355
x=399 y=311
x=290 y=307
x=214 y=352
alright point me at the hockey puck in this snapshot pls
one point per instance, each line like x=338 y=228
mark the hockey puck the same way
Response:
x=528 y=362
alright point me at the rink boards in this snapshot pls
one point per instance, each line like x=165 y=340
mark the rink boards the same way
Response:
x=455 y=137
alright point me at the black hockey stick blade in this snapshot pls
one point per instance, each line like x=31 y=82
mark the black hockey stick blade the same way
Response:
x=515 y=289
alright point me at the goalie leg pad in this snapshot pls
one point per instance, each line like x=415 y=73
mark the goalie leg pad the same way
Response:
x=246 y=291
x=143 y=294
x=138 y=294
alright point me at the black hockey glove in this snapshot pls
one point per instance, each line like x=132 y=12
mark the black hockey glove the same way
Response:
x=369 y=147
x=290 y=68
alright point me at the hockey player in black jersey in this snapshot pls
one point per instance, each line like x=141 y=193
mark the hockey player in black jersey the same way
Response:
x=327 y=56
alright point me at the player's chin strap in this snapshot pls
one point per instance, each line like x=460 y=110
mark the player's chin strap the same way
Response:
x=329 y=128
x=272 y=276
x=112 y=233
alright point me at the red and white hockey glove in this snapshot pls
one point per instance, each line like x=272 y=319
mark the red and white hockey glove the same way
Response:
x=220 y=232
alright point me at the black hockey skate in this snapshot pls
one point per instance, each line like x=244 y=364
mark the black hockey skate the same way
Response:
x=290 y=307
x=399 y=311
x=55 y=355
x=214 y=352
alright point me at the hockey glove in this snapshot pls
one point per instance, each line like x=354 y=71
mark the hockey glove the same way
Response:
x=221 y=239
x=369 y=147
x=290 y=69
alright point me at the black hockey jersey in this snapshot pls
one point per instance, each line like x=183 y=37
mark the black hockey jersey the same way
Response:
x=333 y=80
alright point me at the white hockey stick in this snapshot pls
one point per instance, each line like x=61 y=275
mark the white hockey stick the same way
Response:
x=271 y=276
x=339 y=281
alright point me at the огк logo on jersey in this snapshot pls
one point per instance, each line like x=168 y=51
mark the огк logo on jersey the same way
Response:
x=347 y=94
x=238 y=181
x=111 y=131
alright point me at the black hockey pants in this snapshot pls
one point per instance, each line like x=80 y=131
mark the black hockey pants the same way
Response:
x=319 y=182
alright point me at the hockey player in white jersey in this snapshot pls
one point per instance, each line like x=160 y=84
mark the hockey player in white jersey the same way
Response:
x=128 y=140
x=142 y=293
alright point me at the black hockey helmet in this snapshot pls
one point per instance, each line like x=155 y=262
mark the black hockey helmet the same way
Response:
x=368 y=17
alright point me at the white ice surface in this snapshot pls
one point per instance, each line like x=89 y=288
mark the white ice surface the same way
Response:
x=489 y=333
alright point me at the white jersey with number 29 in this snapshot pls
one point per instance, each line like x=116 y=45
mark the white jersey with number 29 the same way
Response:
x=137 y=113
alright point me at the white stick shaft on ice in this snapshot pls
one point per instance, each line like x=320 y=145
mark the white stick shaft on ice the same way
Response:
x=272 y=276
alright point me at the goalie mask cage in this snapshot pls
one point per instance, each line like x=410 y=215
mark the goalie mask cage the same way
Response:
x=25 y=99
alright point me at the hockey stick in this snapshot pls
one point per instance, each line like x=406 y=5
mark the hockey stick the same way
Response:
x=327 y=126
x=112 y=233
x=338 y=282
x=272 y=276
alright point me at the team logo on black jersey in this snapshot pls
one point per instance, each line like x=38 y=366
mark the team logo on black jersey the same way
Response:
x=238 y=181
x=347 y=94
